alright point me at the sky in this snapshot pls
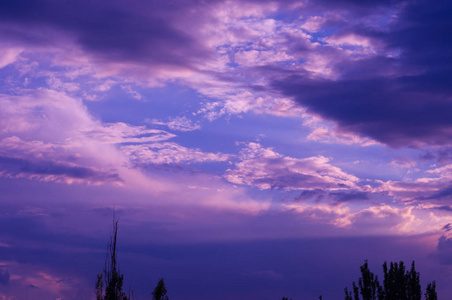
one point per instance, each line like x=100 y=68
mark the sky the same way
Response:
x=249 y=149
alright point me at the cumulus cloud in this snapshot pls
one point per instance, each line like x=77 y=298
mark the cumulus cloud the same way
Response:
x=375 y=216
x=267 y=169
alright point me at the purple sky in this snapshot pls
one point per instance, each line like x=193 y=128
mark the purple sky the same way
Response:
x=251 y=149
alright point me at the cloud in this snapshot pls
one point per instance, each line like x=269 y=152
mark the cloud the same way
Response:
x=445 y=193
x=443 y=252
x=409 y=120
x=121 y=133
x=244 y=59
x=434 y=186
x=141 y=34
x=51 y=171
x=398 y=96
x=443 y=155
x=331 y=134
x=403 y=162
x=169 y=153
x=318 y=195
x=27 y=280
x=178 y=123
x=134 y=94
x=42 y=137
x=9 y=56
x=48 y=136
x=349 y=196
x=266 y=169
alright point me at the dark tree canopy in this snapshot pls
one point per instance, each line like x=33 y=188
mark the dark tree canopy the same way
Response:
x=159 y=292
x=398 y=284
x=430 y=293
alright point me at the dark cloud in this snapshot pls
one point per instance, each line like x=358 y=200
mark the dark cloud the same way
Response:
x=115 y=31
x=444 y=193
x=380 y=108
x=316 y=195
x=18 y=166
x=449 y=209
x=442 y=155
x=356 y=6
x=400 y=100
x=443 y=251
x=349 y=196
x=4 y=277
x=340 y=196
x=287 y=180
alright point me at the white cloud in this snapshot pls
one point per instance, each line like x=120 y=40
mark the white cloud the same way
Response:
x=134 y=94
x=432 y=188
x=266 y=169
x=178 y=123
x=169 y=153
x=8 y=55
x=327 y=134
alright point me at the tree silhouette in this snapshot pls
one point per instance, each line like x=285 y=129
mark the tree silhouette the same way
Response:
x=398 y=284
x=430 y=293
x=159 y=292
x=111 y=278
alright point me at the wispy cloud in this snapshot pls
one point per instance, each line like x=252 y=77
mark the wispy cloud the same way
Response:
x=169 y=153
x=179 y=123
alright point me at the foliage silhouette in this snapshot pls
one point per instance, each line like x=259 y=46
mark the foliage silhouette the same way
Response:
x=430 y=293
x=398 y=284
x=159 y=292
x=111 y=278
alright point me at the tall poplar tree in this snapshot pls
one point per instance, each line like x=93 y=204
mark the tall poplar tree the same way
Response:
x=111 y=278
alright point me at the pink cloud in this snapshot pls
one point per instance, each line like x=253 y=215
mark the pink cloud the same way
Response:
x=423 y=188
x=178 y=123
x=266 y=169
x=9 y=55
x=32 y=280
x=169 y=153
x=332 y=134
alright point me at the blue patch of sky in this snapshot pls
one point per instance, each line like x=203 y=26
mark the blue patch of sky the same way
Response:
x=223 y=133
x=11 y=79
x=286 y=15
x=157 y=103
x=322 y=33
x=373 y=162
